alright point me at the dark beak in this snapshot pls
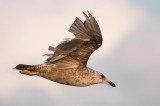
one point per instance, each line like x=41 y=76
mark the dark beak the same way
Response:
x=110 y=83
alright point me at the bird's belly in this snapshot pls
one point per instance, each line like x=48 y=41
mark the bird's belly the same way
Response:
x=74 y=82
x=69 y=77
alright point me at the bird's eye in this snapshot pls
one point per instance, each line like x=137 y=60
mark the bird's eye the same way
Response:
x=102 y=76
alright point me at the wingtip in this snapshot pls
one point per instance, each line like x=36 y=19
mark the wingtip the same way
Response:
x=76 y=18
x=88 y=12
x=85 y=14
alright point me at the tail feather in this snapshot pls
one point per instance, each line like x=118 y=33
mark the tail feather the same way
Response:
x=25 y=67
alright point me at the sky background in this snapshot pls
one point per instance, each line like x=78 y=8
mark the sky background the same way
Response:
x=129 y=56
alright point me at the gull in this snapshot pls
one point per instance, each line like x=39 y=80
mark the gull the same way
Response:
x=68 y=62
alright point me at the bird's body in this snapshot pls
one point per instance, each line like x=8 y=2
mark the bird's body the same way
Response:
x=68 y=64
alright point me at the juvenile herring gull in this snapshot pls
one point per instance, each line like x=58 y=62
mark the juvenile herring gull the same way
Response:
x=68 y=64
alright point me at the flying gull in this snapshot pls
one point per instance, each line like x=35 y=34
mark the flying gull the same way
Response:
x=68 y=64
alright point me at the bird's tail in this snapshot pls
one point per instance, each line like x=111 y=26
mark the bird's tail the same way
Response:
x=29 y=69
x=25 y=67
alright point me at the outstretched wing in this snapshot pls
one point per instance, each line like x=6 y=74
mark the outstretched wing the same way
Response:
x=64 y=49
x=88 y=30
x=87 y=39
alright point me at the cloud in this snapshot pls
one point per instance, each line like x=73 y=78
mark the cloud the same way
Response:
x=37 y=21
x=29 y=27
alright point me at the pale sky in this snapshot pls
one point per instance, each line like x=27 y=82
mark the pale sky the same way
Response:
x=129 y=55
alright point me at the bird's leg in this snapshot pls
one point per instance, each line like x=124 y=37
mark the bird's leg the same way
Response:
x=31 y=73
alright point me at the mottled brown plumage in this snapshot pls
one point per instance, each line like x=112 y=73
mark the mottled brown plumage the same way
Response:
x=68 y=64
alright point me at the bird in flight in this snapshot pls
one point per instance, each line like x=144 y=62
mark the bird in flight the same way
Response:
x=68 y=64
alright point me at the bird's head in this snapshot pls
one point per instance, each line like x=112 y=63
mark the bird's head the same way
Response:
x=102 y=79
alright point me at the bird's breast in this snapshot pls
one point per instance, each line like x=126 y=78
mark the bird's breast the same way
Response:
x=74 y=77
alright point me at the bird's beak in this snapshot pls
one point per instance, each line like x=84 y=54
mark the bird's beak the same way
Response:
x=109 y=83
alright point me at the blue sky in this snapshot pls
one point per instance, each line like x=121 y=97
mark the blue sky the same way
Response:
x=129 y=55
x=152 y=7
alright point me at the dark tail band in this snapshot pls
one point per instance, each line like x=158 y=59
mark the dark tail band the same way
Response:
x=23 y=67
